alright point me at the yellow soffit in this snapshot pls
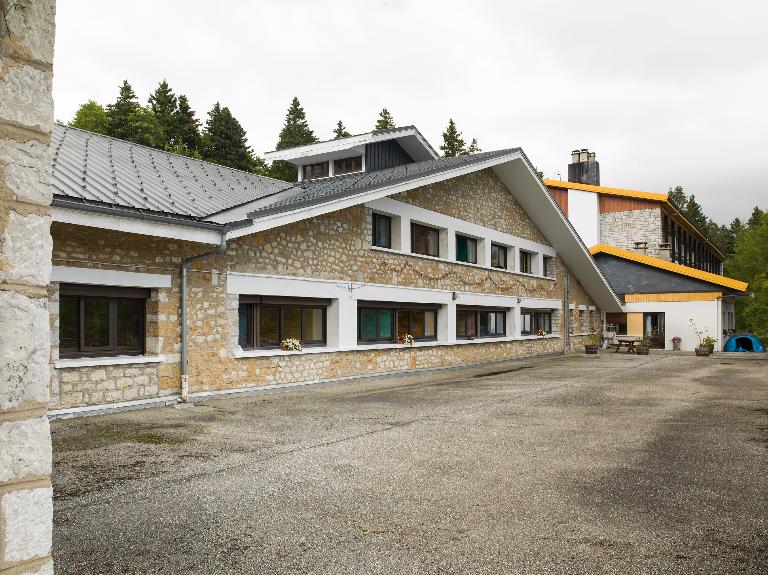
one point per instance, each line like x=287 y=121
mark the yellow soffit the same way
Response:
x=608 y=191
x=681 y=296
x=669 y=266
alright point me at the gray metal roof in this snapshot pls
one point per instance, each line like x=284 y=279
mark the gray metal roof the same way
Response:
x=96 y=169
x=313 y=192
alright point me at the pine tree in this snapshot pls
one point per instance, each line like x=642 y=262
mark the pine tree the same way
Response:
x=474 y=149
x=146 y=129
x=92 y=117
x=164 y=105
x=453 y=143
x=677 y=197
x=756 y=219
x=186 y=126
x=340 y=131
x=695 y=213
x=295 y=132
x=225 y=141
x=385 y=121
x=120 y=112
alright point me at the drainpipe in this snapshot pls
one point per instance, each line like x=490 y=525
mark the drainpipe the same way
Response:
x=183 y=315
x=566 y=315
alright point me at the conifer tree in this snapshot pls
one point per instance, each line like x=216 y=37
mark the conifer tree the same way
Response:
x=756 y=219
x=164 y=105
x=385 y=121
x=453 y=143
x=91 y=116
x=225 y=141
x=186 y=126
x=677 y=197
x=474 y=149
x=695 y=214
x=295 y=132
x=340 y=131
x=120 y=112
x=146 y=129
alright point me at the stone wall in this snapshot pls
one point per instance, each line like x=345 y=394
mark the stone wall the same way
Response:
x=623 y=229
x=26 y=118
x=333 y=246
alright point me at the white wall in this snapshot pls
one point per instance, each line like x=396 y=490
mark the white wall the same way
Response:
x=584 y=213
x=705 y=314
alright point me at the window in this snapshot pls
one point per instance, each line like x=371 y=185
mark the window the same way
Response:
x=347 y=165
x=498 y=256
x=480 y=322
x=466 y=249
x=549 y=266
x=533 y=321
x=384 y=322
x=382 y=231
x=264 y=322
x=311 y=171
x=98 y=321
x=526 y=262
x=425 y=240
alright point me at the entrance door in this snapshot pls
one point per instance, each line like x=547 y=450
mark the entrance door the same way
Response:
x=653 y=329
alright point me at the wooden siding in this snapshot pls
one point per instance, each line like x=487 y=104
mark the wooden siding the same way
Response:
x=561 y=197
x=679 y=296
x=619 y=204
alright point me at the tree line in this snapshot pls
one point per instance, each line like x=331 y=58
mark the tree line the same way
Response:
x=167 y=122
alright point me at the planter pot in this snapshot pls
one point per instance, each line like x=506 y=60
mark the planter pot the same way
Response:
x=675 y=346
x=711 y=348
x=591 y=349
x=702 y=351
x=642 y=350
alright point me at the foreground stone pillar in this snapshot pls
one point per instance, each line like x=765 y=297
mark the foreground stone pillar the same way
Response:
x=26 y=119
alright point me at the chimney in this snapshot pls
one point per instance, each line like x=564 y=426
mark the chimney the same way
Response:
x=641 y=247
x=584 y=168
x=665 y=252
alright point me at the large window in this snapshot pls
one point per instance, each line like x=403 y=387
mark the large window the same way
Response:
x=425 y=240
x=533 y=321
x=386 y=322
x=311 y=171
x=264 y=322
x=347 y=165
x=101 y=321
x=382 y=231
x=466 y=249
x=526 y=262
x=549 y=266
x=480 y=322
x=498 y=256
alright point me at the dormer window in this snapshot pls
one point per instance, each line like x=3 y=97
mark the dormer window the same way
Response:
x=347 y=165
x=312 y=171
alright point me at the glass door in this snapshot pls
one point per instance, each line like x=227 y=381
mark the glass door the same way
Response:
x=653 y=329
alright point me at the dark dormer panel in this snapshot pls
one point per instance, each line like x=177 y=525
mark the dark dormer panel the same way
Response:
x=386 y=154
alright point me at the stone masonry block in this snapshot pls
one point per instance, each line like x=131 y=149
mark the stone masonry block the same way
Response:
x=31 y=24
x=26 y=170
x=25 y=97
x=25 y=449
x=27 y=517
x=25 y=250
x=24 y=350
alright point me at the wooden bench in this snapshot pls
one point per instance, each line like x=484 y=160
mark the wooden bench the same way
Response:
x=622 y=342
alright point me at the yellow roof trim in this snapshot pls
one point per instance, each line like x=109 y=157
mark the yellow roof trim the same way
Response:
x=671 y=297
x=669 y=266
x=608 y=191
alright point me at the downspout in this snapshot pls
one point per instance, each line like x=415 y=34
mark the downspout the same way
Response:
x=566 y=323
x=183 y=315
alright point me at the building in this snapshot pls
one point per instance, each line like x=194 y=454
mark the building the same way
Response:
x=660 y=264
x=175 y=278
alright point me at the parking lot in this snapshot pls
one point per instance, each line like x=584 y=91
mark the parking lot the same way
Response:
x=575 y=464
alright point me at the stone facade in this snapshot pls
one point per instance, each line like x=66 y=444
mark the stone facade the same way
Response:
x=334 y=246
x=26 y=117
x=623 y=229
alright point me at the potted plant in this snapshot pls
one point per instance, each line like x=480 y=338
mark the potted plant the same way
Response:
x=706 y=342
x=676 y=343
x=406 y=339
x=709 y=342
x=541 y=333
x=643 y=347
x=290 y=345
x=594 y=342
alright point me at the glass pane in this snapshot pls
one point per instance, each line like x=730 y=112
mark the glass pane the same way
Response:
x=96 y=323
x=269 y=326
x=472 y=251
x=525 y=324
x=500 y=323
x=419 y=240
x=382 y=231
x=403 y=323
x=487 y=323
x=244 y=324
x=498 y=256
x=433 y=242
x=417 y=323
x=430 y=324
x=462 y=249
x=292 y=323
x=368 y=324
x=385 y=323
x=461 y=323
x=69 y=318
x=313 y=324
x=130 y=324
x=471 y=323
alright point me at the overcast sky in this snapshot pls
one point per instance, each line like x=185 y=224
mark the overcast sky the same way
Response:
x=667 y=93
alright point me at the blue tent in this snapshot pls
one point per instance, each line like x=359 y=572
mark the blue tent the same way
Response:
x=743 y=342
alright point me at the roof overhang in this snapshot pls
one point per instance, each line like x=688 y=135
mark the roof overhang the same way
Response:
x=409 y=138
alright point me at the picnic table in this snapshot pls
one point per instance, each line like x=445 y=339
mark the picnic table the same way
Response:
x=628 y=342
